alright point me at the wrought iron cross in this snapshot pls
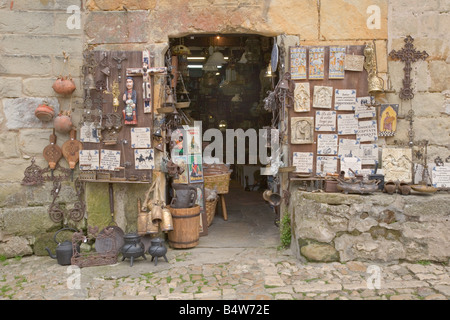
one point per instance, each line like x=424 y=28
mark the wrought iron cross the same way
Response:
x=408 y=55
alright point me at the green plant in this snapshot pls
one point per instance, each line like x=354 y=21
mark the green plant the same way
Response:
x=285 y=230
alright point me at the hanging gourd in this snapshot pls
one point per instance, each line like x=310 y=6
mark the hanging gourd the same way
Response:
x=44 y=112
x=64 y=84
x=63 y=122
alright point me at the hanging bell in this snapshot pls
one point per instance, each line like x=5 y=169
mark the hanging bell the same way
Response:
x=375 y=84
x=158 y=133
x=159 y=147
x=106 y=71
x=284 y=84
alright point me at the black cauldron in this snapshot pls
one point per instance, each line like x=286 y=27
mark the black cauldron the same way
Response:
x=157 y=249
x=132 y=248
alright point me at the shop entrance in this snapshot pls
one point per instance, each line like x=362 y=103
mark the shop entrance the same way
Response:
x=227 y=78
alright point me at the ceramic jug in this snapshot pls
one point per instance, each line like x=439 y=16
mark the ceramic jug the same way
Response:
x=185 y=196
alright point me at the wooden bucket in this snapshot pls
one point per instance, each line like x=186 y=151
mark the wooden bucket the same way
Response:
x=186 y=227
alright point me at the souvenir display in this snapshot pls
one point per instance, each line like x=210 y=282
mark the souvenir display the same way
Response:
x=325 y=121
x=367 y=131
x=354 y=62
x=347 y=124
x=303 y=162
x=345 y=100
x=397 y=164
x=327 y=144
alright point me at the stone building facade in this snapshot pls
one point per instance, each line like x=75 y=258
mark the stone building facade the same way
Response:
x=33 y=35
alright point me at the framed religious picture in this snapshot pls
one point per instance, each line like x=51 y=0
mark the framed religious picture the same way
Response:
x=388 y=120
x=302 y=130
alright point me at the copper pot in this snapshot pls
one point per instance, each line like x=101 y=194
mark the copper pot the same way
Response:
x=64 y=85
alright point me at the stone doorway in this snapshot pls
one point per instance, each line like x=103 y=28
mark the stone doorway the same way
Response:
x=228 y=94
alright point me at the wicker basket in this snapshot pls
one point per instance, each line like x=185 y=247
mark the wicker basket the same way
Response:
x=219 y=181
x=211 y=210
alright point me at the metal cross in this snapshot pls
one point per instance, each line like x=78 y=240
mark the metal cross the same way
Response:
x=119 y=64
x=408 y=55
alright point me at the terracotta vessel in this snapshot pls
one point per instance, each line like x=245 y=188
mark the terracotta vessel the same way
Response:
x=390 y=187
x=62 y=123
x=64 y=85
x=44 y=112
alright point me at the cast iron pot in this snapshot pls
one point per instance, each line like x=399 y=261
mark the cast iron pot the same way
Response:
x=132 y=248
x=157 y=249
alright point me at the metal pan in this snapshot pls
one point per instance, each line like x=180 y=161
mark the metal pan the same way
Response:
x=110 y=239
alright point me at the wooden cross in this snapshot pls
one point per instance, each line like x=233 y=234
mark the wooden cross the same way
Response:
x=408 y=55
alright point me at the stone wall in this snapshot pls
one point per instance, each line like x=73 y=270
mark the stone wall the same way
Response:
x=380 y=227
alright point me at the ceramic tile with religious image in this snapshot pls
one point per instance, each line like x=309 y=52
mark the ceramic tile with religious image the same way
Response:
x=326 y=164
x=369 y=153
x=388 y=120
x=327 y=144
x=397 y=164
x=349 y=148
x=89 y=159
x=316 y=63
x=367 y=131
x=364 y=111
x=345 y=100
x=298 y=63
x=347 y=124
x=325 y=121
x=144 y=159
x=302 y=101
x=303 y=162
x=323 y=97
x=336 y=65
x=302 y=131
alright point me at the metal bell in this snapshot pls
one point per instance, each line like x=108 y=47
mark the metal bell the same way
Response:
x=375 y=84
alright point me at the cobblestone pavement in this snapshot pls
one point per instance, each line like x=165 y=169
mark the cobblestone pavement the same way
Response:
x=223 y=274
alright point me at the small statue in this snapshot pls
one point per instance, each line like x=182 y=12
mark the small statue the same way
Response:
x=129 y=97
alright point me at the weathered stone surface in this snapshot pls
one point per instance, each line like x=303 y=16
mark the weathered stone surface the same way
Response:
x=13 y=246
x=319 y=252
x=345 y=19
x=25 y=221
x=8 y=145
x=10 y=87
x=114 y=5
x=117 y=27
x=19 y=113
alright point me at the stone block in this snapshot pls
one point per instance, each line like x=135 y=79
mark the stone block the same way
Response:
x=427 y=104
x=44 y=5
x=117 y=27
x=11 y=195
x=440 y=76
x=33 y=141
x=319 y=252
x=13 y=246
x=60 y=24
x=8 y=145
x=340 y=20
x=26 y=221
x=39 y=87
x=26 y=22
x=19 y=113
x=13 y=169
x=26 y=64
x=10 y=87
x=113 y=5
x=40 y=44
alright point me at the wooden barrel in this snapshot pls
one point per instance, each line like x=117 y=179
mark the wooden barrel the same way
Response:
x=186 y=227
